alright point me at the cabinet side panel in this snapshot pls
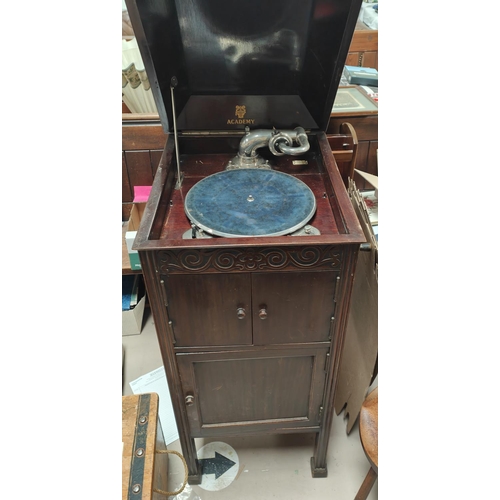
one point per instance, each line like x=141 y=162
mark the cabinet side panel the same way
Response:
x=169 y=361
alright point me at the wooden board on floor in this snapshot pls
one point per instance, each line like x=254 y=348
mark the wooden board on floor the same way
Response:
x=142 y=468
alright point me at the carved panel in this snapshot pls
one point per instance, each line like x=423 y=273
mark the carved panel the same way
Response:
x=249 y=259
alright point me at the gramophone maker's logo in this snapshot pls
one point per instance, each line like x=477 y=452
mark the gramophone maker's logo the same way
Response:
x=240 y=112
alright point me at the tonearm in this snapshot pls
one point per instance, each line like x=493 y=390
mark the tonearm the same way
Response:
x=279 y=142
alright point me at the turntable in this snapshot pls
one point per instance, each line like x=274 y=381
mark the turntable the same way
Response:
x=249 y=203
x=251 y=199
x=248 y=242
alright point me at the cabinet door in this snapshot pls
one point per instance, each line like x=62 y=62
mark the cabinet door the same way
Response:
x=210 y=309
x=256 y=390
x=292 y=307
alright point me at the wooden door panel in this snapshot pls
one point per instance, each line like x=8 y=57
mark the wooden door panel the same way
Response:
x=253 y=389
x=257 y=379
x=292 y=307
x=210 y=309
x=139 y=168
x=370 y=60
x=352 y=59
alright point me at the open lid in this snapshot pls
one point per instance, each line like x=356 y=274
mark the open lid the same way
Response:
x=238 y=63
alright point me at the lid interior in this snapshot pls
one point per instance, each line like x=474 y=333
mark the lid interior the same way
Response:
x=236 y=63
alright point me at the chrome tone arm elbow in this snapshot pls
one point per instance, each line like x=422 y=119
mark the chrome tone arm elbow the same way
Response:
x=279 y=142
x=300 y=138
x=253 y=141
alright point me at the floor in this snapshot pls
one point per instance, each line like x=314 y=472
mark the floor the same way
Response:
x=269 y=466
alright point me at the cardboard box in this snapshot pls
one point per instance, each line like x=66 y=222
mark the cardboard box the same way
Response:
x=132 y=317
x=133 y=225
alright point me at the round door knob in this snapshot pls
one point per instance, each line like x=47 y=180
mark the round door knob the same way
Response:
x=263 y=313
x=240 y=312
x=189 y=400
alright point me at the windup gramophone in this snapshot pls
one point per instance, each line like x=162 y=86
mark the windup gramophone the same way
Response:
x=248 y=242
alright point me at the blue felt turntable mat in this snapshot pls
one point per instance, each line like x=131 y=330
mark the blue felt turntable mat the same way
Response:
x=250 y=202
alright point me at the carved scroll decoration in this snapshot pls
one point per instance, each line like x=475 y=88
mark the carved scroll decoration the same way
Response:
x=249 y=259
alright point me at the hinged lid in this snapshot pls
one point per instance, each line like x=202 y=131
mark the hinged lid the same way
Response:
x=238 y=63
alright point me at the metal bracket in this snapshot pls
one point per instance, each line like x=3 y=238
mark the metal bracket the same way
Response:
x=320 y=414
x=248 y=162
x=195 y=233
x=306 y=230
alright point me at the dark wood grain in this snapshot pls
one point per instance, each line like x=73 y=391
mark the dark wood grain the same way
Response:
x=161 y=194
x=344 y=150
x=143 y=136
x=366 y=126
x=372 y=167
x=139 y=168
x=340 y=142
x=204 y=309
x=126 y=209
x=302 y=314
x=362 y=159
x=155 y=159
x=343 y=292
x=166 y=341
x=332 y=217
x=224 y=398
x=127 y=193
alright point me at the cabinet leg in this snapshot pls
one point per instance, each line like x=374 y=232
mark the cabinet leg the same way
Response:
x=193 y=465
x=318 y=471
x=318 y=461
x=196 y=477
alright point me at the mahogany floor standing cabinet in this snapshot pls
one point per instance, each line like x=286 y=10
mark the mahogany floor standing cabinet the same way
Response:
x=250 y=329
x=250 y=324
